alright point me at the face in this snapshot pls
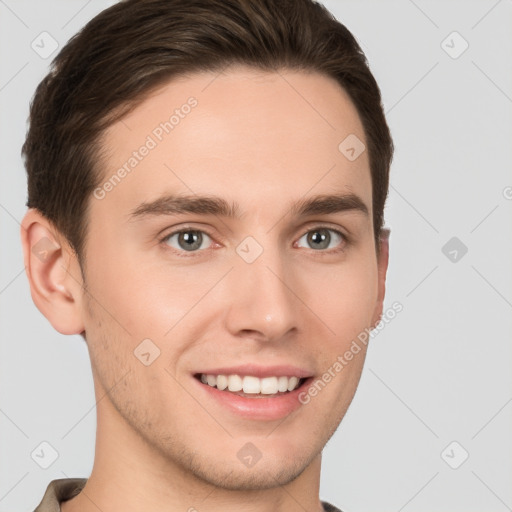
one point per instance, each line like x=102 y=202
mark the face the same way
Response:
x=273 y=275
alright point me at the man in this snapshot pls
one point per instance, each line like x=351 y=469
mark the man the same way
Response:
x=206 y=184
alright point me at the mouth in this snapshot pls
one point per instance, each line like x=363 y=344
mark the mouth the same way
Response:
x=254 y=392
x=250 y=386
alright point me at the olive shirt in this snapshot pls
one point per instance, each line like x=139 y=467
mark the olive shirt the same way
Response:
x=64 y=489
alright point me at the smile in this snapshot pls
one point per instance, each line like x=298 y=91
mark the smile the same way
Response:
x=251 y=386
x=264 y=398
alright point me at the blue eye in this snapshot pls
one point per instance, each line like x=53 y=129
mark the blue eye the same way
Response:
x=187 y=240
x=321 y=238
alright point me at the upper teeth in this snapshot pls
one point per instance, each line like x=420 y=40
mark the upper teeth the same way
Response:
x=250 y=384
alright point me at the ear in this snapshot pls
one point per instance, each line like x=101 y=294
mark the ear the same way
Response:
x=382 y=267
x=53 y=273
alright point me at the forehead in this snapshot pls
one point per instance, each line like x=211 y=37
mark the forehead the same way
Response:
x=259 y=136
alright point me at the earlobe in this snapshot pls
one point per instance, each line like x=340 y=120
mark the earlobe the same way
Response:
x=382 y=265
x=53 y=273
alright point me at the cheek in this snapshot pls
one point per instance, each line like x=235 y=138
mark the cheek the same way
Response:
x=344 y=297
x=139 y=299
x=345 y=306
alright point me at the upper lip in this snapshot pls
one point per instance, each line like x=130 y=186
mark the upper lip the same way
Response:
x=259 y=371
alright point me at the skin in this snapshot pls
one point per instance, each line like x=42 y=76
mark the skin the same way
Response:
x=254 y=139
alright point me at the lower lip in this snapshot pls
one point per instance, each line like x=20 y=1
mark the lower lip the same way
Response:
x=257 y=408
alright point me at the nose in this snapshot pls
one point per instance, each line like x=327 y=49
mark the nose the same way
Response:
x=262 y=301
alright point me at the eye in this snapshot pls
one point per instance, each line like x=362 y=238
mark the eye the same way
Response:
x=189 y=240
x=321 y=238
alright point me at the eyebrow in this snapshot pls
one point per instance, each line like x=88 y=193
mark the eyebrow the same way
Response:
x=213 y=205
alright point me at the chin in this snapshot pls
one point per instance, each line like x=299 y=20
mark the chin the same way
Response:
x=260 y=477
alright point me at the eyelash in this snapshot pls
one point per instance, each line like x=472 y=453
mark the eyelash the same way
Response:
x=182 y=253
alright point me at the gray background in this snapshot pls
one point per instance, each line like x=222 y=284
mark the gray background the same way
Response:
x=439 y=372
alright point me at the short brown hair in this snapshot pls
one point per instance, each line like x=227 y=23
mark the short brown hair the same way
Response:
x=134 y=46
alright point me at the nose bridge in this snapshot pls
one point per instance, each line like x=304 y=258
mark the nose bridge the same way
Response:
x=261 y=292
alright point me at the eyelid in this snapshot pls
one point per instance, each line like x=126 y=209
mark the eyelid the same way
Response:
x=341 y=230
x=325 y=225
